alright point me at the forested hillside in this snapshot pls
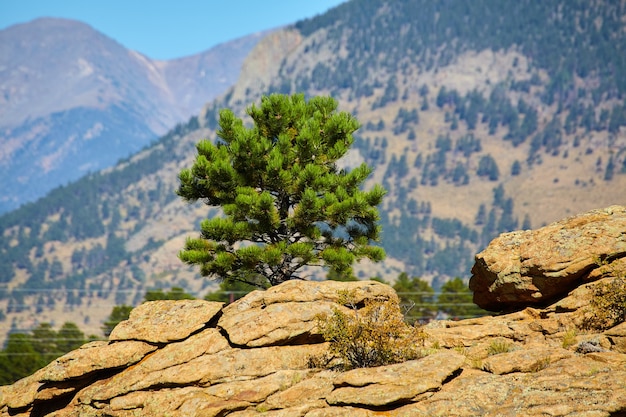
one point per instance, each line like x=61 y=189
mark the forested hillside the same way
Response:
x=478 y=118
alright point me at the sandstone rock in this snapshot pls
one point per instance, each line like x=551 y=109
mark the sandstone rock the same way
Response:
x=390 y=384
x=166 y=320
x=93 y=357
x=524 y=360
x=208 y=407
x=310 y=390
x=22 y=394
x=308 y=291
x=577 y=386
x=287 y=313
x=304 y=409
x=153 y=370
x=617 y=337
x=258 y=389
x=467 y=335
x=275 y=324
x=205 y=370
x=200 y=371
x=532 y=267
x=341 y=412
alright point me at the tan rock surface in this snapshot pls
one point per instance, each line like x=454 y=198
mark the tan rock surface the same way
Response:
x=617 y=337
x=287 y=313
x=391 y=384
x=573 y=387
x=96 y=356
x=276 y=324
x=176 y=320
x=310 y=390
x=157 y=368
x=524 y=360
x=532 y=267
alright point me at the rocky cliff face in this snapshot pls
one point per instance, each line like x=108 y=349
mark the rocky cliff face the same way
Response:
x=193 y=357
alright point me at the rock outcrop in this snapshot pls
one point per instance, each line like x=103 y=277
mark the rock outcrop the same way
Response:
x=251 y=358
x=534 y=267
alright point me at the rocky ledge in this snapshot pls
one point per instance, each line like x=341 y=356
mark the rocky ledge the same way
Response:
x=200 y=358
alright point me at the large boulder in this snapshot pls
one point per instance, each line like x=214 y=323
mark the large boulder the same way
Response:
x=535 y=267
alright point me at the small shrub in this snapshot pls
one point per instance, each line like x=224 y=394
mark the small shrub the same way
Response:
x=373 y=335
x=498 y=346
x=461 y=350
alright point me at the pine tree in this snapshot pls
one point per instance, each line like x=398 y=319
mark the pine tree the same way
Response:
x=229 y=291
x=69 y=337
x=286 y=205
x=118 y=314
x=416 y=297
x=176 y=293
x=456 y=300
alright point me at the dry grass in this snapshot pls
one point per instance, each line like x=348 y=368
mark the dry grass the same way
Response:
x=499 y=346
x=569 y=338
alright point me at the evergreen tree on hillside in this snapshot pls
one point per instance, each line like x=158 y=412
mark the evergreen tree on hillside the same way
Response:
x=286 y=204
x=24 y=353
x=176 y=293
x=487 y=167
x=230 y=291
x=118 y=314
x=456 y=300
x=416 y=297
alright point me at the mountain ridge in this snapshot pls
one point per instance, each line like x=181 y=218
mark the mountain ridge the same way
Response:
x=55 y=71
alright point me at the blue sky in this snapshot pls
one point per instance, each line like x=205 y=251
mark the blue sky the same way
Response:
x=166 y=29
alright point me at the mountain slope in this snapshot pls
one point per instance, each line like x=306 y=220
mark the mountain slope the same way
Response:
x=474 y=125
x=74 y=101
x=470 y=131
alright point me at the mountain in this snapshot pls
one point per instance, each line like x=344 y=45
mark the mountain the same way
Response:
x=73 y=101
x=478 y=118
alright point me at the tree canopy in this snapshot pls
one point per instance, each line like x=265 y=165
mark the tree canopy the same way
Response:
x=285 y=202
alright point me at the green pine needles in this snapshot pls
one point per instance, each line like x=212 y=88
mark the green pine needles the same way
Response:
x=286 y=204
